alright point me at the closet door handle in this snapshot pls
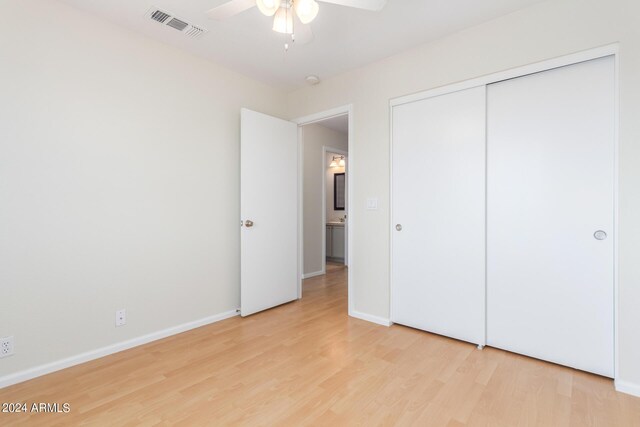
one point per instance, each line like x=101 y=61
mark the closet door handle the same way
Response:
x=600 y=235
x=399 y=227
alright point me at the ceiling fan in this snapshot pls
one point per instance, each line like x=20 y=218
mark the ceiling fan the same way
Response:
x=289 y=16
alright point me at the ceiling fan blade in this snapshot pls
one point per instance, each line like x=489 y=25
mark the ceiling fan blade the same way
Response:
x=229 y=9
x=373 y=5
x=302 y=33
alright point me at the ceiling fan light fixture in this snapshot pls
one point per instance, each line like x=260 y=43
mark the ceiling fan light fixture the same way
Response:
x=268 y=7
x=307 y=10
x=283 y=21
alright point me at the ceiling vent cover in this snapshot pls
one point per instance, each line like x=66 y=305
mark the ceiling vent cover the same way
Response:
x=177 y=24
x=169 y=20
x=160 y=16
x=195 y=32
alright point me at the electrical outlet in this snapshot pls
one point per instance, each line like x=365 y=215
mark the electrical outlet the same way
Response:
x=6 y=346
x=121 y=317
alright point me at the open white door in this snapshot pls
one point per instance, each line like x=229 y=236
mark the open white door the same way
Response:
x=269 y=203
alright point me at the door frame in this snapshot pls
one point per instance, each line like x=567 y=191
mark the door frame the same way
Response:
x=307 y=120
x=546 y=65
x=326 y=149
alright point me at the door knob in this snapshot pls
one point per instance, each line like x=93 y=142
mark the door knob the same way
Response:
x=248 y=223
x=399 y=227
x=600 y=235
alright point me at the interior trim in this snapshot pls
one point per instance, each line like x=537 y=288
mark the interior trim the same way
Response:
x=67 y=362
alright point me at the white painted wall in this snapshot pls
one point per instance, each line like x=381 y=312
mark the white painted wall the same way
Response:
x=119 y=167
x=119 y=183
x=547 y=30
x=314 y=137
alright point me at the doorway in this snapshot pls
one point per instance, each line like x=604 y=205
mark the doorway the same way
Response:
x=324 y=185
x=335 y=210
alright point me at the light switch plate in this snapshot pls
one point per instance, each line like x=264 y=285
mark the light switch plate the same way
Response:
x=372 y=203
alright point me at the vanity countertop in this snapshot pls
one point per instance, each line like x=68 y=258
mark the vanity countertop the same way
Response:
x=336 y=223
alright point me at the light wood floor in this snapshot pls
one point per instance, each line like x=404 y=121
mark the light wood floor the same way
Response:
x=309 y=363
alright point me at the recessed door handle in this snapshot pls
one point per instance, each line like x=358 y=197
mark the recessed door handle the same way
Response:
x=600 y=235
x=248 y=223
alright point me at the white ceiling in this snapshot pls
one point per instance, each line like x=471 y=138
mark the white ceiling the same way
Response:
x=345 y=38
x=338 y=123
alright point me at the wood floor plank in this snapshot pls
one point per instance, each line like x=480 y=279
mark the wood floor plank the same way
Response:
x=308 y=364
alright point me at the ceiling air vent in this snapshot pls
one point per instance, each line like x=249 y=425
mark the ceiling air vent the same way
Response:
x=177 y=24
x=195 y=32
x=169 y=20
x=160 y=16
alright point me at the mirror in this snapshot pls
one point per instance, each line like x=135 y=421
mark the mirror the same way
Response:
x=339 y=191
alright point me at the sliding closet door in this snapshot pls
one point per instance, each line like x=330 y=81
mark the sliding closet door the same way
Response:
x=550 y=234
x=438 y=237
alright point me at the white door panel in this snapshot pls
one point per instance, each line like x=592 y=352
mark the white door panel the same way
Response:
x=438 y=258
x=269 y=260
x=549 y=188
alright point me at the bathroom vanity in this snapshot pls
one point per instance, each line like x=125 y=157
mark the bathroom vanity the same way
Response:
x=335 y=241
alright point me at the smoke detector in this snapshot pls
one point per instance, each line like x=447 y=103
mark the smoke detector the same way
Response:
x=168 y=19
x=312 y=80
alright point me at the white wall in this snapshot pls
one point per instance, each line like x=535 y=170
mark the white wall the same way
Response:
x=119 y=182
x=314 y=137
x=332 y=214
x=119 y=172
x=544 y=31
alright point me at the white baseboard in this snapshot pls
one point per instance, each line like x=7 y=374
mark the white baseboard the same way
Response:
x=370 y=318
x=47 y=368
x=627 y=387
x=310 y=275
